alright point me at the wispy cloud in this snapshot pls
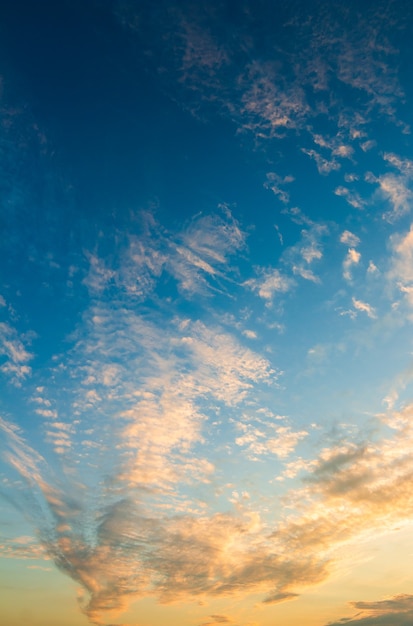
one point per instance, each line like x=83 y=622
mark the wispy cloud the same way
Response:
x=269 y=106
x=353 y=258
x=270 y=89
x=396 y=188
x=266 y=439
x=217 y=619
x=352 y=197
x=118 y=545
x=156 y=385
x=309 y=249
x=13 y=348
x=400 y=274
x=269 y=283
x=276 y=184
x=23 y=547
x=349 y=238
x=392 y=611
x=324 y=165
x=359 y=305
x=197 y=257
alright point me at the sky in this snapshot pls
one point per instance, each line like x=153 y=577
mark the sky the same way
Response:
x=206 y=308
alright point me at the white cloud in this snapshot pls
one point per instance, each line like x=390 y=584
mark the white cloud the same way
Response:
x=368 y=145
x=365 y=307
x=308 y=250
x=353 y=258
x=197 y=257
x=372 y=268
x=400 y=274
x=396 y=188
x=266 y=439
x=46 y=413
x=405 y=166
x=324 y=166
x=349 y=238
x=343 y=151
x=268 y=104
x=270 y=282
x=99 y=276
x=352 y=197
x=276 y=183
x=17 y=356
x=305 y=273
x=206 y=246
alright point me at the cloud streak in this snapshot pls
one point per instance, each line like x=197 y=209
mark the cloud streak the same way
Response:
x=394 y=611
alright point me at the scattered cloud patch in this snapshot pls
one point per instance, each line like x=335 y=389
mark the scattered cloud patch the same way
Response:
x=359 y=305
x=393 y=611
x=352 y=197
x=324 y=166
x=368 y=145
x=13 y=348
x=276 y=184
x=353 y=258
x=396 y=188
x=349 y=239
x=269 y=283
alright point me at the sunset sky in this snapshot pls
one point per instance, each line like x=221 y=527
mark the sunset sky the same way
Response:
x=206 y=309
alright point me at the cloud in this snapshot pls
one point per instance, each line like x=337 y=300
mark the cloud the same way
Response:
x=197 y=257
x=336 y=145
x=201 y=252
x=266 y=439
x=270 y=105
x=23 y=548
x=145 y=389
x=400 y=274
x=324 y=166
x=394 y=611
x=308 y=250
x=217 y=619
x=364 y=72
x=343 y=151
x=12 y=347
x=265 y=86
x=123 y=552
x=405 y=166
x=305 y=273
x=276 y=183
x=127 y=548
x=349 y=238
x=269 y=283
x=353 y=258
x=396 y=188
x=368 y=145
x=352 y=197
x=365 y=307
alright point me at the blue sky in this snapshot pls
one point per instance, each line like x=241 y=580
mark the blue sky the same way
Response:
x=206 y=307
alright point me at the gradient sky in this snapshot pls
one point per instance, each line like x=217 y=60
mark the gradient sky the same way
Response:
x=206 y=309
